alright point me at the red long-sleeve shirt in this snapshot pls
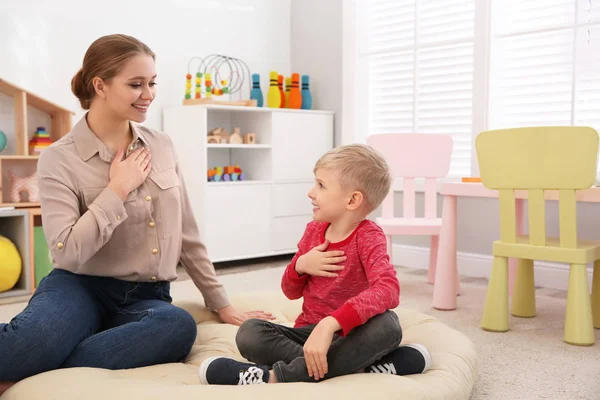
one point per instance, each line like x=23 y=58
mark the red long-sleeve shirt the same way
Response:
x=367 y=286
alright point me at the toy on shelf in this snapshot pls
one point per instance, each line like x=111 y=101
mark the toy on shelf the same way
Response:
x=27 y=185
x=288 y=86
x=306 y=96
x=225 y=174
x=39 y=141
x=256 y=92
x=295 y=94
x=281 y=92
x=3 y=142
x=249 y=138
x=218 y=136
x=208 y=83
x=273 y=95
x=222 y=75
x=10 y=267
x=235 y=137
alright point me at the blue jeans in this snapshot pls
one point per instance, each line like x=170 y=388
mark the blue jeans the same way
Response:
x=85 y=321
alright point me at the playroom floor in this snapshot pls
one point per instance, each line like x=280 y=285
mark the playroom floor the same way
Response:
x=528 y=362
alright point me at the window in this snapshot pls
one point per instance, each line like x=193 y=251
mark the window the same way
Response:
x=463 y=66
x=419 y=63
x=545 y=58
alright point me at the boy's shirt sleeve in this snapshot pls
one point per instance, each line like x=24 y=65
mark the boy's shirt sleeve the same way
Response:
x=383 y=292
x=293 y=284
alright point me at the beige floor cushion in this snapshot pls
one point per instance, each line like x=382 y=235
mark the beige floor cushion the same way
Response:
x=452 y=375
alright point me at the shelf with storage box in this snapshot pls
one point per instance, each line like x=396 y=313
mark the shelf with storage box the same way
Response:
x=15 y=226
x=27 y=108
x=21 y=113
x=265 y=213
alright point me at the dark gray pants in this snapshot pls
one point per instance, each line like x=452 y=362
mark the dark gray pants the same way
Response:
x=266 y=343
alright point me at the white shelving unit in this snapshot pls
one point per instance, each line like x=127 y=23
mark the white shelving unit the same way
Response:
x=265 y=214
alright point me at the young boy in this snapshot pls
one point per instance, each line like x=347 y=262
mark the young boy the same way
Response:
x=343 y=271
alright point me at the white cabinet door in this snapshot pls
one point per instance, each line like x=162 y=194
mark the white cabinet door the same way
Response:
x=287 y=232
x=290 y=199
x=237 y=220
x=299 y=139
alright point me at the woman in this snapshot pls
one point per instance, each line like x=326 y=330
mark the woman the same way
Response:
x=118 y=220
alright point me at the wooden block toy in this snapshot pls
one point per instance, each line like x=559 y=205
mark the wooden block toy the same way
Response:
x=215 y=139
x=235 y=137
x=249 y=138
x=222 y=133
x=471 y=179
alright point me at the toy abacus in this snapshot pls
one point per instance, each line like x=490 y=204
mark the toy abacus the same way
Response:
x=221 y=75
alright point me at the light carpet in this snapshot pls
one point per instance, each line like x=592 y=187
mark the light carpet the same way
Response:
x=530 y=361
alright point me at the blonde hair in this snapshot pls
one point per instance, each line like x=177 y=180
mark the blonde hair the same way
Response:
x=361 y=168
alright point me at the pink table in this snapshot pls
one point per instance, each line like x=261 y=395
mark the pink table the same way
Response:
x=445 y=289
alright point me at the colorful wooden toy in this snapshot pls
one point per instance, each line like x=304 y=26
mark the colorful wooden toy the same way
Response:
x=224 y=174
x=273 y=95
x=256 y=92
x=39 y=141
x=306 y=96
x=208 y=84
x=288 y=86
x=188 y=86
x=198 y=84
x=224 y=87
x=295 y=94
x=281 y=92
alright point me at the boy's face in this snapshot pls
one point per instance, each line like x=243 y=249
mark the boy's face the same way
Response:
x=328 y=198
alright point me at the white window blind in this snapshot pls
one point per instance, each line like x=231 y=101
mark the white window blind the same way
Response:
x=545 y=67
x=420 y=70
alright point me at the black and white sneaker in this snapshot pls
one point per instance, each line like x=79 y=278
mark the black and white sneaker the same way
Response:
x=407 y=359
x=227 y=371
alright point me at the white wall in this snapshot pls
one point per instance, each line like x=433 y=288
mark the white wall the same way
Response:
x=316 y=50
x=42 y=43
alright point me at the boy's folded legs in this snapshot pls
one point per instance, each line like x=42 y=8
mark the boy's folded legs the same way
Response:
x=351 y=353
x=265 y=343
x=360 y=349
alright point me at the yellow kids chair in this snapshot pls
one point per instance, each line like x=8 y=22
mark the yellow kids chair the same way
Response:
x=537 y=159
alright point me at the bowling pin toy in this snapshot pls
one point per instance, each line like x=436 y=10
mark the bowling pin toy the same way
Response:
x=273 y=95
x=256 y=92
x=288 y=86
x=281 y=92
x=306 y=96
x=295 y=94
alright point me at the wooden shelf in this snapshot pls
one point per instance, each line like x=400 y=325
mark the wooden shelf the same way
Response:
x=14 y=157
x=20 y=205
x=238 y=146
x=60 y=116
x=15 y=225
x=23 y=164
x=238 y=183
